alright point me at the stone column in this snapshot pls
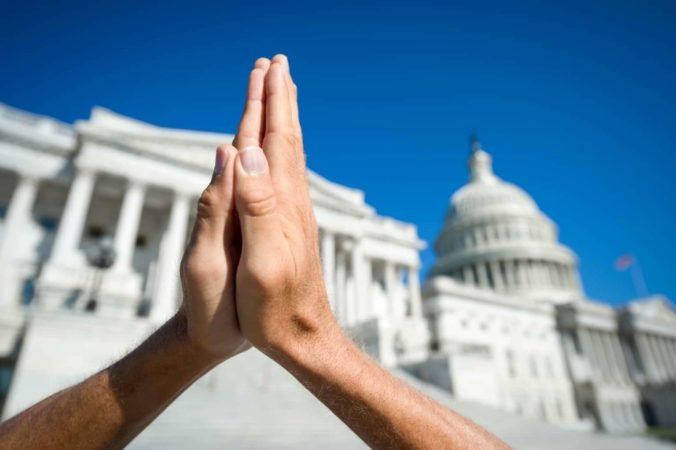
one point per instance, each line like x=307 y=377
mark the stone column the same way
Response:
x=358 y=279
x=553 y=275
x=414 y=292
x=127 y=226
x=18 y=214
x=589 y=352
x=671 y=355
x=340 y=304
x=171 y=249
x=510 y=278
x=329 y=265
x=468 y=275
x=497 y=275
x=520 y=270
x=657 y=358
x=646 y=356
x=17 y=218
x=73 y=216
x=619 y=356
x=570 y=277
x=616 y=356
x=531 y=273
x=390 y=286
x=671 y=369
x=366 y=309
x=483 y=276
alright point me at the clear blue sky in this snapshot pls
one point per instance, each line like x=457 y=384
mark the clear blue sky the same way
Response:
x=576 y=101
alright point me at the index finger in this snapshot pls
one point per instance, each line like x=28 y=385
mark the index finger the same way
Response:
x=252 y=123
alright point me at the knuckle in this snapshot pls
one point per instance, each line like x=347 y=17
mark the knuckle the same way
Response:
x=269 y=277
x=260 y=203
x=292 y=139
x=207 y=202
x=199 y=269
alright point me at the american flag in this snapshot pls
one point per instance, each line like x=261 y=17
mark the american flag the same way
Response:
x=624 y=262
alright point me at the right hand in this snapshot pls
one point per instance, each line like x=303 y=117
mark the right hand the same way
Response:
x=280 y=294
x=208 y=266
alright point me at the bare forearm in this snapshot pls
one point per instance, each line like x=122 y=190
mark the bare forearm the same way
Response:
x=381 y=409
x=111 y=407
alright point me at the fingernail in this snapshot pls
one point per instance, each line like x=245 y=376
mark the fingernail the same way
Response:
x=253 y=160
x=283 y=60
x=221 y=159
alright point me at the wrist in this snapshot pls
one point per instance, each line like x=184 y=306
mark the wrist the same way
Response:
x=314 y=352
x=198 y=355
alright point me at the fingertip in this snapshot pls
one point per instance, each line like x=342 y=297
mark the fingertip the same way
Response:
x=256 y=84
x=275 y=75
x=280 y=58
x=231 y=151
x=262 y=63
x=221 y=160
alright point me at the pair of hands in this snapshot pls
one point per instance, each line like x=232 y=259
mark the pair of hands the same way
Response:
x=251 y=273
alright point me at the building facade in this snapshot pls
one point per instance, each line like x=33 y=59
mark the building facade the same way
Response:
x=505 y=299
x=66 y=191
x=502 y=318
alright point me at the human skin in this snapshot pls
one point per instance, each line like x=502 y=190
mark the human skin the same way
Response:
x=282 y=303
x=111 y=407
x=251 y=278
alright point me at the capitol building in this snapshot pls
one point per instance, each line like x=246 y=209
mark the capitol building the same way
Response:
x=94 y=217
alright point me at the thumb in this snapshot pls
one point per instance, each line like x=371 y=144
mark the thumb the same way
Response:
x=256 y=204
x=215 y=206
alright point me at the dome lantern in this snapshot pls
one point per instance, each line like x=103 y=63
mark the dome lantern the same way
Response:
x=480 y=163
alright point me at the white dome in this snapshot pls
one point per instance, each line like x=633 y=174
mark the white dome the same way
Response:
x=481 y=198
x=495 y=236
x=487 y=194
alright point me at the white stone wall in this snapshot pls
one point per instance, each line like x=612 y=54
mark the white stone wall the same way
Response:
x=518 y=340
x=114 y=176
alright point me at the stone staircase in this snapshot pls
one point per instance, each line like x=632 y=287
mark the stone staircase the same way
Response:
x=251 y=403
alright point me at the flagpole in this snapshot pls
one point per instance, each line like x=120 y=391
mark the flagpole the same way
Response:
x=638 y=280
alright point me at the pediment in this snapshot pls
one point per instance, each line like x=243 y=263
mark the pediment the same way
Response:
x=196 y=149
x=656 y=306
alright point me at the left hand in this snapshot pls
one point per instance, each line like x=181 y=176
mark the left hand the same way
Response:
x=209 y=262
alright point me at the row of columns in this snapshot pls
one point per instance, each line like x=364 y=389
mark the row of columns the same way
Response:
x=604 y=352
x=348 y=278
x=507 y=274
x=479 y=236
x=658 y=356
x=344 y=264
x=72 y=223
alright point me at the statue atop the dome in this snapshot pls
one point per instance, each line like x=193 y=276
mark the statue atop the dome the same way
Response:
x=474 y=143
x=480 y=162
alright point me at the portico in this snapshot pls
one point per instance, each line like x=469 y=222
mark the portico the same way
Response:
x=138 y=184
